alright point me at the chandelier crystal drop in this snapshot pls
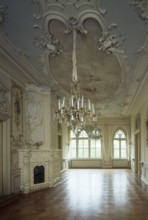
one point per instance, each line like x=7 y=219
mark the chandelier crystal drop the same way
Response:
x=75 y=110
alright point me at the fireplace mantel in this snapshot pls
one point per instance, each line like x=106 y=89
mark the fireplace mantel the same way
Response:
x=31 y=158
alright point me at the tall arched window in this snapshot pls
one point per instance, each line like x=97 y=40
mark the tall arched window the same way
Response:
x=85 y=146
x=120 y=145
x=95 y=144
x=73 y=144
x=83 y=149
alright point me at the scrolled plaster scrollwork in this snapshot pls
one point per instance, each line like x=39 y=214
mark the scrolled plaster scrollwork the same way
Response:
x=50 y=43
x=142 y=7
x=17 y=142
x=78 y=4
x=75 y=3
x=109 y=43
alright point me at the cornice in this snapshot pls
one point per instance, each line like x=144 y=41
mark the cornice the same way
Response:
x=140 y=80
x=113 y=120
x=18 y=59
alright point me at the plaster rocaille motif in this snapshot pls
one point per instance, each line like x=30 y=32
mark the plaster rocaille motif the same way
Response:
x=109 y=43
x=17 y=99
x=17 y=139
x=142 y=7
x=49 y=43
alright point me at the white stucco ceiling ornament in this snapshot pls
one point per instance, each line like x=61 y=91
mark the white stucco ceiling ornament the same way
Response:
x=110 y=43
x=142 y=7
x=102 y=65
x=49 y=43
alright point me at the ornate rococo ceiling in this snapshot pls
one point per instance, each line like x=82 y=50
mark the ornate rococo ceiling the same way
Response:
x=112 y=47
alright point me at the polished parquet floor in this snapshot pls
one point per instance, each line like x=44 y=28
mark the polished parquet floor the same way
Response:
x=85 y=194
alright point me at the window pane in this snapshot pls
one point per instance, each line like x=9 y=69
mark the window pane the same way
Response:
x=92 y=143
x=83 y=143
x=98 y=143
x=123 y=154
x=93 y=153
x=98 y=153
x=73 y=144
x=72 y=153
x=116 y=153
x=83 y=134
x=123 y=144
x=120 y=134
x=85 y=153
x=80 y=153
x=116 y=144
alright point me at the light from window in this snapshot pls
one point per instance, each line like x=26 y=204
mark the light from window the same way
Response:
x=84 y=146
x=120 y=145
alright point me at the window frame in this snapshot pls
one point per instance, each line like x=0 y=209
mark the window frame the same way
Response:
x=120 y=140
x=88 y=138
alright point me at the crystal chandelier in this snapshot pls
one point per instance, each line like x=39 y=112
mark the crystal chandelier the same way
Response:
x=75 y=110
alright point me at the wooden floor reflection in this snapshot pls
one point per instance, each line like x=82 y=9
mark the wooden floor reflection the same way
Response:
x=85 y=194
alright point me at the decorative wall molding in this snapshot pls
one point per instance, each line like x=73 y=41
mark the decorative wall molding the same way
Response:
x=17 y=102
x=142 y=7
x=25 y=71
x=4 y=104
x=138 y=122
x=17 y=123
x=34 y=116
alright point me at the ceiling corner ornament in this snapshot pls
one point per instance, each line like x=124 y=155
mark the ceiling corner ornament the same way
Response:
x=142 y=7
x=109 y=43
x=80 y=11
x=4 y=104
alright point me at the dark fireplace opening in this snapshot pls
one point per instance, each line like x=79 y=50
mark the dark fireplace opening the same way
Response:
x=39 y=176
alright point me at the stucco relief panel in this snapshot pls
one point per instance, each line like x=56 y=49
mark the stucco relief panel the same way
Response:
x=34 y=119
x=17 y=117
